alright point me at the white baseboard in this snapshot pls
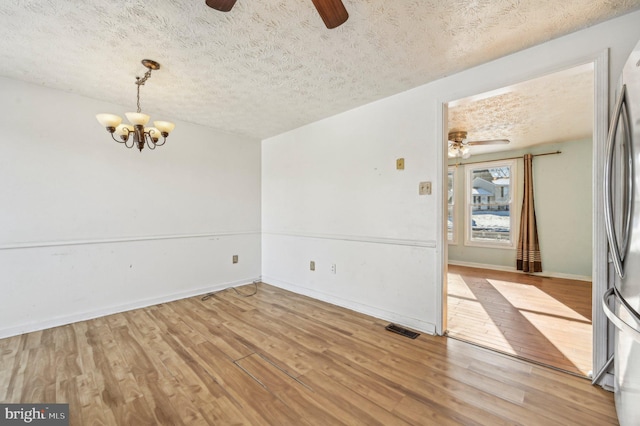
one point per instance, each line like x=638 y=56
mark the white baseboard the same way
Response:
x=513 y=269
x=399 y=319
x=84 y=316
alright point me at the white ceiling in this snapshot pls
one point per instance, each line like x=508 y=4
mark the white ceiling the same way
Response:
x=269 y=66
x=554 y=108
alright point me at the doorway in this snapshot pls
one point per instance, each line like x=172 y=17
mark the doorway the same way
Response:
x=527 y=316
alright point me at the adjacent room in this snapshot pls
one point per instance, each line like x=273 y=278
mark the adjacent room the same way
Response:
x=543 y=313
x=247 y=194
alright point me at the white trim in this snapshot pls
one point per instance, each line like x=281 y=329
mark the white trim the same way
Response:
x=454 y=216
x=599 y=239
x=468 y=187
x=84 y=316
x=513 y=269
x=410 y=322
x=29 y=245
x=357 y=238
x=442 y=247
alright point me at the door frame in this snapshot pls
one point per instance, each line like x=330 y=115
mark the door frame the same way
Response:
x=600 y=62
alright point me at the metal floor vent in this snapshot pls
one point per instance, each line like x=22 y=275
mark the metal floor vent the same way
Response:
x=403 y=331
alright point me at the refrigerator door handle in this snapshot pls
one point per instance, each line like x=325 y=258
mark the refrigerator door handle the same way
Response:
x=616 y=320
x=629 y=173
x=618 y=252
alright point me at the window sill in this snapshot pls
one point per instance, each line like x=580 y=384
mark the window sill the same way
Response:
x=506 y=246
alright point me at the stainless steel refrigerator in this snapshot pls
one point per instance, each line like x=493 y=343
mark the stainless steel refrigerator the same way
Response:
x=621 y=302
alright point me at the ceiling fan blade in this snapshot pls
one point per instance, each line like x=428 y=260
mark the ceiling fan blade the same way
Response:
x=489 y=142
x=221 y=5
x=332 y=12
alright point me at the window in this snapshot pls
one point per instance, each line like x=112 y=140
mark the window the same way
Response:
x=452 y=236
x=488 y=204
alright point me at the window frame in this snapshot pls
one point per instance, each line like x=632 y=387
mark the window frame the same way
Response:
x=452 y=170
x=468 y=204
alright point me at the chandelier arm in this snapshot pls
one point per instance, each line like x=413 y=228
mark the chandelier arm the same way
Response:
x=114 y=138
x=133 y=142
x=154 y=134
x=164 y=139
x=119 y=141
x=149 y=141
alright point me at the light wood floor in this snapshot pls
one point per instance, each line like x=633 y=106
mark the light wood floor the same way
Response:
x=547 y=320
x=280 y=358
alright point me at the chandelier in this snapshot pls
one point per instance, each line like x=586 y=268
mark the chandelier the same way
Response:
x=136 y=131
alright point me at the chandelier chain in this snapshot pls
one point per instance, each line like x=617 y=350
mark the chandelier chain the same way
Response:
x=140 y=82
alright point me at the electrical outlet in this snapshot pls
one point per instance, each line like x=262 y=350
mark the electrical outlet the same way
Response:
x=400 y=164
x=235 y=258
x=333 y=268
x=424 y=188
x=312 y=265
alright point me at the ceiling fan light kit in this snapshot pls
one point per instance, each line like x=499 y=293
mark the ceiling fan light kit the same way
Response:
x=459 y=151
x=332 y=12
x=459 y=145
x=141 y=135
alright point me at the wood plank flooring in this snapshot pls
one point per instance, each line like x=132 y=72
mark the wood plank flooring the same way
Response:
x=282 y=359
x=547 y=320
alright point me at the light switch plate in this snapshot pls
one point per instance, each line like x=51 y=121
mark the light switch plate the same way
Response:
x=424 y=188
x=234 y=259
x=312 y=265
x=400 y=164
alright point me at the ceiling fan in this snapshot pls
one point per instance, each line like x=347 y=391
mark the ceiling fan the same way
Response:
x=332 y=12
x=459 y=145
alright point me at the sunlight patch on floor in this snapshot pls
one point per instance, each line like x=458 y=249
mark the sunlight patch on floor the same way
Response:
x=522 y=319
x=461 y=303
x=458 y=288
x=566 y=336
x=524 y=296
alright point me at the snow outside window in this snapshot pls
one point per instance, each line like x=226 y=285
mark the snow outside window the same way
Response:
x=488 y=204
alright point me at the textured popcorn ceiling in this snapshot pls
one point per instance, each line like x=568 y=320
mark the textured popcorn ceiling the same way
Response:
x=269 y=65
x=553 y=108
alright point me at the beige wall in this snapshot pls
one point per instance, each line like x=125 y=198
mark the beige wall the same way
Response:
x=563 y=211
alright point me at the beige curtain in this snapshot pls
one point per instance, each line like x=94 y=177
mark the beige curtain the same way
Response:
x=528 y=258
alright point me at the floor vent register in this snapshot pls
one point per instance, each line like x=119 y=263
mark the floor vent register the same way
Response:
x=403 y=331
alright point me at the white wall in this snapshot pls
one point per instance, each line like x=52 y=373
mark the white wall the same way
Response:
x=331 y=192
x=90 y=227
x=562 y=185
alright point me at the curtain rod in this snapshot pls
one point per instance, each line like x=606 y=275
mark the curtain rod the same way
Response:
x=508 y=158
